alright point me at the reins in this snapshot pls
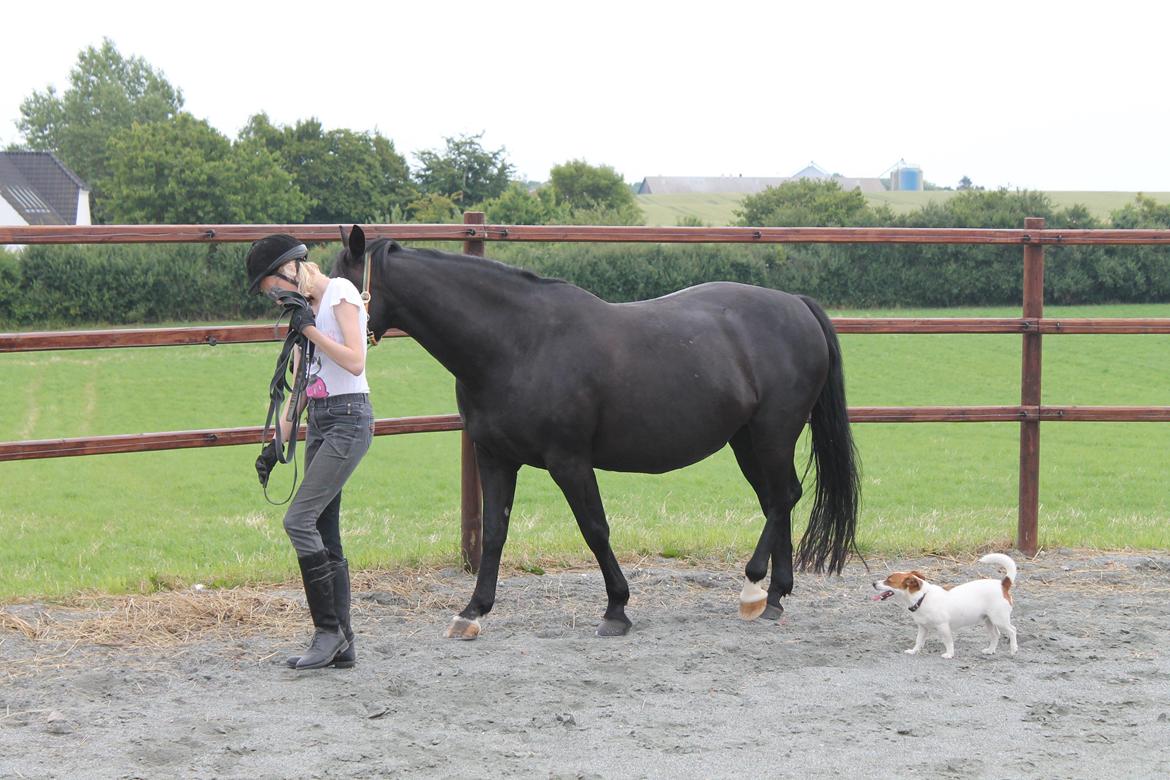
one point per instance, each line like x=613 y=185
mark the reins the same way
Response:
x=286 y=451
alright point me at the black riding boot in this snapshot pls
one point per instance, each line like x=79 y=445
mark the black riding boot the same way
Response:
x=317 y=573
x=347 y=657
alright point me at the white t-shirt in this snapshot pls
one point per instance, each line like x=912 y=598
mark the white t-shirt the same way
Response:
x=337 y=380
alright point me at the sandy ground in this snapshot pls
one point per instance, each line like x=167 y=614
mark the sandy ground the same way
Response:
x=692 y=692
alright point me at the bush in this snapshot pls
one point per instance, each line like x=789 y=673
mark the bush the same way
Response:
x=9 y=284
x=69 y=286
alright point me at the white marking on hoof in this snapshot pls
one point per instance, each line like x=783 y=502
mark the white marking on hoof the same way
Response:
x=462 y=628
x=753 y=600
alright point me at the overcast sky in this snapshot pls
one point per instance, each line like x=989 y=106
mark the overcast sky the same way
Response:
x=1035 y=95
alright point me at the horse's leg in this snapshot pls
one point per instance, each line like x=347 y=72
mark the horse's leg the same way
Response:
x=499 y=488
x=781 y=584
x=766 y=461
x=753 y=598
x=579 y=484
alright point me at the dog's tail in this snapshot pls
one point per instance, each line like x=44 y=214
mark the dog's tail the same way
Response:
x=1009 y=566
x=1009 y=569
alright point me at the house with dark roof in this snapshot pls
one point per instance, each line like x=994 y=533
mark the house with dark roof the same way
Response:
x=749 y=185
x=37 y=189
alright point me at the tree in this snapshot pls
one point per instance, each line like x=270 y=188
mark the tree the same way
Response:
x=1144 y=212
x=107 y=93
x=434 y=209
x=594 y=194
x=965 y=183
x=348 y=176
x=808 y=203
x=977 y=208
x=183 y=171
x=518 y=206
x=465 y=172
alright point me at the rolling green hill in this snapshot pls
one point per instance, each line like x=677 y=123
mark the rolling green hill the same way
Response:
x=719 y=208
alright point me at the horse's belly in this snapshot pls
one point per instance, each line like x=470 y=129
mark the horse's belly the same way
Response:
x=652 y=461
x=655 y=443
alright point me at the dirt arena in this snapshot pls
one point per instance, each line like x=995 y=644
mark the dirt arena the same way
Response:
x=193 y=685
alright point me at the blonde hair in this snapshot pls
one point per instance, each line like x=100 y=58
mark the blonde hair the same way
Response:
x=306 y=271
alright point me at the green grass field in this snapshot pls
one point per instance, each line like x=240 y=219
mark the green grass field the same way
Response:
x=155 y=520
x=719 y=208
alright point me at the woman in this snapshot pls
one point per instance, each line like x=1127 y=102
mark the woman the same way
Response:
x=340 y=429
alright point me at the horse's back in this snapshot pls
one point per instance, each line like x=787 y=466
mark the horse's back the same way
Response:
x=695 y=366
x=753 y=325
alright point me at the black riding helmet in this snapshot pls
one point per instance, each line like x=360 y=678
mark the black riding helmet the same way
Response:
x=269 y=254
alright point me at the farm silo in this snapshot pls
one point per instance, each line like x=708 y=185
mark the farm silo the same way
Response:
x=906 y=177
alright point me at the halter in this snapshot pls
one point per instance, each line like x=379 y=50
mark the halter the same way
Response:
x=367 y=271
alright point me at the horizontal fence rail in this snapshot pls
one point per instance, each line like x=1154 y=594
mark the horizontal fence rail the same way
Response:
x=228 y=437
x=212 y=437
x=188 y=234
x=212 y=335
x=474 y=234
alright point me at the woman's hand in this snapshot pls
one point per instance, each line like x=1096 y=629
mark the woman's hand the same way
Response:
x=266 y=462
x=301 y=319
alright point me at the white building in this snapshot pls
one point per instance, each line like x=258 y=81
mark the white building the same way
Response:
x=37 y=189
x=668 y=185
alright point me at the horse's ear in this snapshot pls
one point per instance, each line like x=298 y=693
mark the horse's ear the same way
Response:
x=344 y=238
x=356 y=243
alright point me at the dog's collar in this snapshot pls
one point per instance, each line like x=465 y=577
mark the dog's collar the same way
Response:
x=918 y=603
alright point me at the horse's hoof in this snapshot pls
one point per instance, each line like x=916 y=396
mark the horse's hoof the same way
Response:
x=611 y=627
x=773 y=612
x=462 y=628
x=753 y=601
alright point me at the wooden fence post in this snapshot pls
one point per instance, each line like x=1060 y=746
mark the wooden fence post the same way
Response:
x=471 y=492
x=1026 y=531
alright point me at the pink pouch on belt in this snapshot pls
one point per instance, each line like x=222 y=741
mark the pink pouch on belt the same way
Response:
x=317 y=389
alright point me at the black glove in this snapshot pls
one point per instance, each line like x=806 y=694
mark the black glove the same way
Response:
x=266 y=461
x=302 y=317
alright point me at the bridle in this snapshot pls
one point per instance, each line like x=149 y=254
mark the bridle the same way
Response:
x=367 y=272
x=367 y=277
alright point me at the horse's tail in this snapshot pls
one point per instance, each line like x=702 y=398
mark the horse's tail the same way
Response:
x=833 y=520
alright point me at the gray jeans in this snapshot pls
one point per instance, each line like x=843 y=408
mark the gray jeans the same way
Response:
x=340 y=431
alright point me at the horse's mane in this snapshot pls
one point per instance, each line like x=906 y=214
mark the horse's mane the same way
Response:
x=380 y=248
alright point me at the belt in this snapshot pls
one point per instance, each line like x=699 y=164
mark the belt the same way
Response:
x=340 y=400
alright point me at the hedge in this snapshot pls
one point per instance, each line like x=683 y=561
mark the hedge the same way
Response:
x=55 y=286
x=73 y=286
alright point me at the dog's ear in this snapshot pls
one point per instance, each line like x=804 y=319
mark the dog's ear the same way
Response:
x=918 y=574
x=914 y=581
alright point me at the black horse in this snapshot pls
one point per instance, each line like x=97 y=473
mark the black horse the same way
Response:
x=551 y=376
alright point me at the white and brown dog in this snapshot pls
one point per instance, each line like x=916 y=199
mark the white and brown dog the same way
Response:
x=944 y=609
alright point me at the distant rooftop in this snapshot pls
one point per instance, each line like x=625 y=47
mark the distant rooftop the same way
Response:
x=40 y=188
x=671 y=185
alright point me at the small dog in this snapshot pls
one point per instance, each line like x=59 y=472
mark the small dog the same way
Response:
x=944 y=609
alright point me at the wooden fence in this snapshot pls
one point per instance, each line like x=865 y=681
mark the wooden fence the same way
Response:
x=1032 y=325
